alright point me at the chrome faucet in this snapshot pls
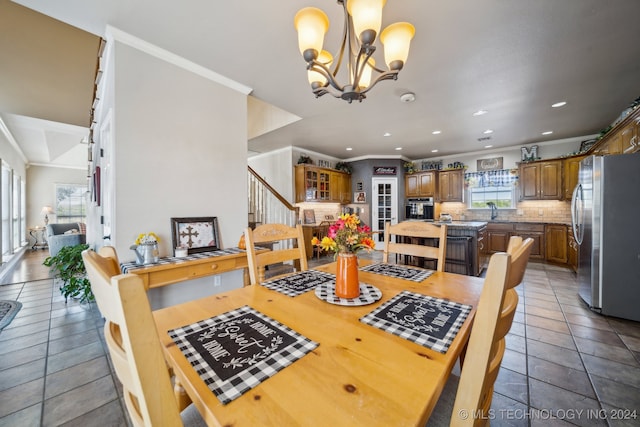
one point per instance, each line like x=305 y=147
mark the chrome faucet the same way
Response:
x=494 y=210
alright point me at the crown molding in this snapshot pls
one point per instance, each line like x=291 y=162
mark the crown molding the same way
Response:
x=113 y=33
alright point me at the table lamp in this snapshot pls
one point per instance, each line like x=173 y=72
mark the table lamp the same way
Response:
x=46 y=211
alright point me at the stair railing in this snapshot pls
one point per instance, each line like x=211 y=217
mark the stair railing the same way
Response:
x=266 y=205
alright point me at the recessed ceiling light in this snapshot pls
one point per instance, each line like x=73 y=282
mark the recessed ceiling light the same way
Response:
x=549 y=132
x=559 y=104
x=434 y=151
x=386 y=134
x=480 y=113
x=398 y=148
x=488 y=146
x=488 y=131
x=436 y=132
x=349 y=148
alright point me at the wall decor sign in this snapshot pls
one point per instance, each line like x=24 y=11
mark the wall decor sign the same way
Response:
x=309 y=216
x=198 y=234
x=385 y=170
x=360 y=197
x=529 y=154
x=432 y=165
x=490 y=164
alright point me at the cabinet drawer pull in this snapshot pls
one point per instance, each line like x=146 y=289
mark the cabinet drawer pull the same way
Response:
x=214 y=266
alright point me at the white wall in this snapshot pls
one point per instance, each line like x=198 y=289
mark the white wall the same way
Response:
x=179 y=150
x=276 y=168
x=41 y=189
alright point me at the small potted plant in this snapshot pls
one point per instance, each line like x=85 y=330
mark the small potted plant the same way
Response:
x=344 y=167
x=70 y=269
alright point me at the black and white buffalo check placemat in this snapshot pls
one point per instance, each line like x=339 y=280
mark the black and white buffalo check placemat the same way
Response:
x=126 y=267
x=368 y=294
x=428 y=321
x=399 y=271
x=237 y=350
x=299 y=283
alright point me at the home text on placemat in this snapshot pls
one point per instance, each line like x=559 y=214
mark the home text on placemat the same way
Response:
x=398 y=271
x=429 y=316
x=235 y=351
x=236 y=344
x=428 y=321
x=299 y=283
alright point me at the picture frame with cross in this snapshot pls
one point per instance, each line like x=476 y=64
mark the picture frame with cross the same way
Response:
x=197 y=234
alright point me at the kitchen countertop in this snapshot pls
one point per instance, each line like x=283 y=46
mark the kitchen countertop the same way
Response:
x=469 y=225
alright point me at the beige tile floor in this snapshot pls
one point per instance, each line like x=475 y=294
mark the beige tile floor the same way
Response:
x=564 y=365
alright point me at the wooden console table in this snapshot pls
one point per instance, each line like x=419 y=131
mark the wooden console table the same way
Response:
x=170 y=270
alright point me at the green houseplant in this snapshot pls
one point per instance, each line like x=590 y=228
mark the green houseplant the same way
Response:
x=70 y=269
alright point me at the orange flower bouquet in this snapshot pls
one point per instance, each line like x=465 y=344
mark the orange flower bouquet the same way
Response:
x=346 y=236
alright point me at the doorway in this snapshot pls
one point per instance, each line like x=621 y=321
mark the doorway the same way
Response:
x=384 y=207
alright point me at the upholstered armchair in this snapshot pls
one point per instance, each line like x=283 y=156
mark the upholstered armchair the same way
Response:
x=61 y=235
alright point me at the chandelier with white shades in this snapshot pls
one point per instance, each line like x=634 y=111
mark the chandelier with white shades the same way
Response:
x=362 y=22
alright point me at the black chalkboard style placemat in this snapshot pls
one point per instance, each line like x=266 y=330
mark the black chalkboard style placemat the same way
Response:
x=428 y=321
x=399 y=271
x=299 y=283
x=237 y=350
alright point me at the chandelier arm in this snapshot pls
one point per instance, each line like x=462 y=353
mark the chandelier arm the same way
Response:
x=319 y=67
x=387 y=75
x=345 y=36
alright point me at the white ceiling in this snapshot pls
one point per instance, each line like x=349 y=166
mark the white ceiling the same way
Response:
x=513 y=58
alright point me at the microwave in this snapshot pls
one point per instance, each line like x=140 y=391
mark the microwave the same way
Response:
x=420 y=209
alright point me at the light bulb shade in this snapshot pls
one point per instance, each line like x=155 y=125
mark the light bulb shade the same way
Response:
x=396 y=39
x=311 y=24
x=366 y=15
x=46 y=210
x=365 y=78
x=324 y=58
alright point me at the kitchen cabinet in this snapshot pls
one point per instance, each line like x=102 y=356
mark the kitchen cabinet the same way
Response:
x=612 y=145
x=498 y=235
x=572 y=250
x=316 y=184
x=630 y=137
x=541 y=180
x=556 y=247
x=570 y=170
x=421 y=184
x=340 y=187
x=450 y=185
x=534 y=231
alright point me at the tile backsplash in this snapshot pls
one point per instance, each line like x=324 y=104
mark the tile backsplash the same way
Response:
x=547 y=211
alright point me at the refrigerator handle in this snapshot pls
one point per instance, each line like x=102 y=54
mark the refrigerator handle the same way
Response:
x=576 y=214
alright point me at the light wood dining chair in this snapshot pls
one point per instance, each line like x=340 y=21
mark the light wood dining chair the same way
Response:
x=134 y=345
x=291 y=248
x=472 y=392
x=395 y=235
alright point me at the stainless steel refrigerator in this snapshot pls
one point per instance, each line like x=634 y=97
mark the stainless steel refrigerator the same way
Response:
x=605 y=211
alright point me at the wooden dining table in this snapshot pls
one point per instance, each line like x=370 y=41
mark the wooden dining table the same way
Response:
x=357 y=375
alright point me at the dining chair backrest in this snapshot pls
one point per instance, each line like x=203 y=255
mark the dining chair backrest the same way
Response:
x=486 y=347
x=396 y=236
x=292 y=248
x=133 y=341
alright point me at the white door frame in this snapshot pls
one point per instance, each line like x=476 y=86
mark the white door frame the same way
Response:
x=392 y=215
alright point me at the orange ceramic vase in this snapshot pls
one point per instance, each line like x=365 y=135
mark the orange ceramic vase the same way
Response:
x=347 y=283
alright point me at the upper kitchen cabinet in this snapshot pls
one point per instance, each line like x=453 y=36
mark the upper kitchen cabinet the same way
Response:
x=316 y=184
x=341 y=187
x=624 y=138
x=630 y=136
x=541 y=180
x=571 y=167
x=450 y=185
x=420 y=184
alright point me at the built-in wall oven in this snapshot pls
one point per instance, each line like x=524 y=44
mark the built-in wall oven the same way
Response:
x=421 y=209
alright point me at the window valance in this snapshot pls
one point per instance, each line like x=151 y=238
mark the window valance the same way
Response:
x=496 y=178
